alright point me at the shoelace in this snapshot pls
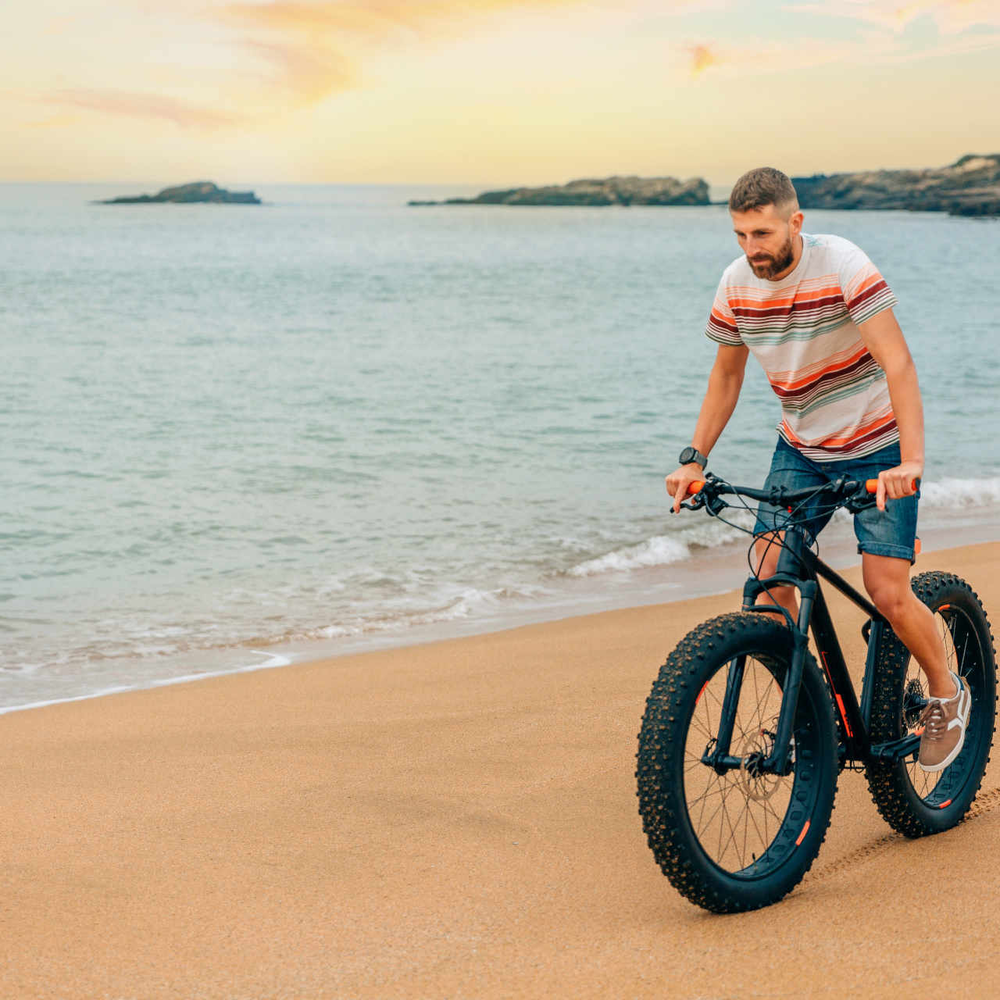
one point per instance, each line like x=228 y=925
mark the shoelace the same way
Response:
x=932 y=719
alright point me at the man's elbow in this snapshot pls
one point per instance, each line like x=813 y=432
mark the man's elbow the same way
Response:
x=900 y=369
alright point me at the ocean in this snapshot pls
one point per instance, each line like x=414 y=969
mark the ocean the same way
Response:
x=237 y=437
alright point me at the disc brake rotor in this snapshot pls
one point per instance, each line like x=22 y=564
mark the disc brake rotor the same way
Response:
x=758 y=784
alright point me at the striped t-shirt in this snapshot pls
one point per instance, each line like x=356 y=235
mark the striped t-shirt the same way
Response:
x=803 y=330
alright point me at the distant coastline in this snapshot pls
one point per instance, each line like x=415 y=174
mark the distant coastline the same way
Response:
x=187 y=194
x=970 y=187
x=595 y=192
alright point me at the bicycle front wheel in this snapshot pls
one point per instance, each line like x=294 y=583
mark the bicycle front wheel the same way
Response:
x=913 y=801
x=743 y=838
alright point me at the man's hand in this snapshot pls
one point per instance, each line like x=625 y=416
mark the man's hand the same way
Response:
x=679 y=479
x=897 y=482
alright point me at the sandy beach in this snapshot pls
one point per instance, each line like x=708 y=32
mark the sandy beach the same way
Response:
x=455 y=819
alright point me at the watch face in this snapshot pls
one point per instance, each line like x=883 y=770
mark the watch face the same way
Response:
x=687 y=455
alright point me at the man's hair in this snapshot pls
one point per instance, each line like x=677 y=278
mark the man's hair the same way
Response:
x=760 y=187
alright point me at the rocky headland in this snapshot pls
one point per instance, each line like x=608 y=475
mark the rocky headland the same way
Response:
x=609 y=191
x=970 y=186
x=185 y=194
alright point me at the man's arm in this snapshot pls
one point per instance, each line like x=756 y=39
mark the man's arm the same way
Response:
x=886 y=344
x=724 y=384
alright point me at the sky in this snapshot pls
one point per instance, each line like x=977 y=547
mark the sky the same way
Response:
x=490 y=92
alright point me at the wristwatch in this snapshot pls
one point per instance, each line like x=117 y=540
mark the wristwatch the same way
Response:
x=691 y=454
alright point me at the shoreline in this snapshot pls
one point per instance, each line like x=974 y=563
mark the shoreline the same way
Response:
x=451 y=819
x=712 y=571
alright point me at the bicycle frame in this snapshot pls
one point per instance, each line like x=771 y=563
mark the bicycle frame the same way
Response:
x=799 y=567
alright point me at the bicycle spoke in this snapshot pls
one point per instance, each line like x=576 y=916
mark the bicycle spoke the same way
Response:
x=746 y=831
x=722 y=825
x=704 y=802
x=731 y=839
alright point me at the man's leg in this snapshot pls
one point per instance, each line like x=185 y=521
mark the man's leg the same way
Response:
x=766 y=551
x=887 y=580
x=789 y=468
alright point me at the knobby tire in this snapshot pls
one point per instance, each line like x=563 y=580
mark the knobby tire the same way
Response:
x=912 y=801
x=740 y=840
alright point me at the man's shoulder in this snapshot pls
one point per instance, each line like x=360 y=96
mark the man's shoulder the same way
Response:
x=825 y=249
x=738 y=273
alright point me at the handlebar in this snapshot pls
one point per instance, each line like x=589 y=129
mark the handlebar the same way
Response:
x=711 y=487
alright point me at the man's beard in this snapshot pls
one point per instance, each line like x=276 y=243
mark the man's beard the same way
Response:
x=774 y=265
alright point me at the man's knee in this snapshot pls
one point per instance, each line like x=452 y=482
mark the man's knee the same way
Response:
x=891 y=598
x=887 y=581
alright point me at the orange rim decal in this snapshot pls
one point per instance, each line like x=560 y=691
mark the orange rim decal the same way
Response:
x=701 y=692
x=802 y=835
x=944 y=805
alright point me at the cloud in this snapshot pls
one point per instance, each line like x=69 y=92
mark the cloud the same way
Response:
x=872 y=46
x=142 y=106
x=374 y=18
x=302 y=76
x=765 y=56
x=702 y=57
x=950 y=16
x=310 y=44
x=292 y=54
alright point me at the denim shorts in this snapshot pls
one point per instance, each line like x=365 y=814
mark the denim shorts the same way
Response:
x=891 y=532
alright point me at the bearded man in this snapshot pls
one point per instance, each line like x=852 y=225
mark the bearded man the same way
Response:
x=818 y=316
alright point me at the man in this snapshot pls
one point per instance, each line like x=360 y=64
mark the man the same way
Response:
x=818 y=316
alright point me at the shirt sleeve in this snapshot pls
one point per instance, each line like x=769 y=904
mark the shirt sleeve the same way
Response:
x=866 y=292
x=722 y=326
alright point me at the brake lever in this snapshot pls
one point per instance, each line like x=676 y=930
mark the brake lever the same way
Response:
x=860 y=500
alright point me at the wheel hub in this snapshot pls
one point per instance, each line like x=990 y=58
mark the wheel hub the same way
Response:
x=758 y=784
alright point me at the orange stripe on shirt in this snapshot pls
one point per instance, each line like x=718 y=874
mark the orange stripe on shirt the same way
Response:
x=816 y=371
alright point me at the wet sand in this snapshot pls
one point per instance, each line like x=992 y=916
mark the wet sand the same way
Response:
x=456 y=819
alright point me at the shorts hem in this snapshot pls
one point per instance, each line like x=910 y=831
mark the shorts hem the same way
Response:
x=888 y=549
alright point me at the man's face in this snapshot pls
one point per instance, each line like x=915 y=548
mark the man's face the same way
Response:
x=767 y=237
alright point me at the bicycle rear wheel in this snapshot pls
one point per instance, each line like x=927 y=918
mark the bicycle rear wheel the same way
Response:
x=911 y=800
x=739 y=839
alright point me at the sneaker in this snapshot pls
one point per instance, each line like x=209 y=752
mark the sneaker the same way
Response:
x=944 y=721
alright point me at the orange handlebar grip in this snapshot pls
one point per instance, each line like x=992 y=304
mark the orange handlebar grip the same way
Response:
x=872 y=485
x=695 y=487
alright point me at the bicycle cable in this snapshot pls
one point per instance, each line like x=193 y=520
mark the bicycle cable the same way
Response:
x=788 y=520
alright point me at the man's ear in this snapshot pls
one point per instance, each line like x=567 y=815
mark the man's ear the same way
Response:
x=795 y=222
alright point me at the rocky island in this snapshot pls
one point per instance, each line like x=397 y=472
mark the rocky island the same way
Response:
x=185 y=194
x=970 y=186
x=609 y=191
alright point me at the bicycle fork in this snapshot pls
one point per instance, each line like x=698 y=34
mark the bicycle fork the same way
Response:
x=778 y=760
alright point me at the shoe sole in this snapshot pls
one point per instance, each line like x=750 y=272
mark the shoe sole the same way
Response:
x=957 y=749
